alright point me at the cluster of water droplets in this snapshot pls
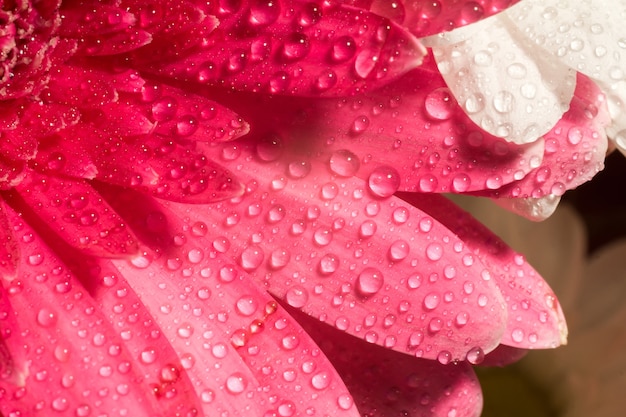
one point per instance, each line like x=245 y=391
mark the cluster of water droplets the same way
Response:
x=307 y=48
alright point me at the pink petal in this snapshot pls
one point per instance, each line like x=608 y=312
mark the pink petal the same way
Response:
x=413 y=124
x=78 y=214
x=574 y=149
x=68 y=358
x=387 y=383
x=383 y=271
x=432 y=17
x=503 y=355
x=295 y=48
x=535 y=319
x=261 y=362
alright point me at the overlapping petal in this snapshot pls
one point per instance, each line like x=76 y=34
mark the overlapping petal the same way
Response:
x=287 y=47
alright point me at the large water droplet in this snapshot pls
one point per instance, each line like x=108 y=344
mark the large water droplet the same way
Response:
x=440 y=104
x=369 y=282
x=384 y=181
x=344 y=163
x=297 y=296
x=264 y=12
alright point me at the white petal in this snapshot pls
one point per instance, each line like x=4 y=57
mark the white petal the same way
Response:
x=587 y=35
x=504 y=83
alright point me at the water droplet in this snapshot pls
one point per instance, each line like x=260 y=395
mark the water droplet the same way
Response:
x=475 y=355
x=326 y=80
x=164 y=109
x=321 y=380
x=299 y=169
x=444 y=357
x=344 y=163
x=434 y=251
x=369 y=282
x=345 y=401
x=297 y=296
x=431 y=301
x=367 y=229
x=246 y=305
x=359 y=125
x=279 y=82
x=440 y=104
x=343 y=49
x=236 y=383
x=264 y=12
x=399 y=250
x=329 y=191
x=323 y=236
x=384 y=181
x=279 y=258
x=296 y=47
x=46 y=318
x=290 y=342
x=251 y=258
x=309 y=15
x=503 y=102
x=328 y=264
x=517 y=335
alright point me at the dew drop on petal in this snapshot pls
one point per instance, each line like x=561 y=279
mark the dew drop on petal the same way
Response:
x=328 y=264
x=236 y=383
x=320 y=380
x=344 y=163
x=264 y=12
x=475 y=355
x=399 y=250
x=343 y=49
x=434 y=251
x=369 y=282
x=246 y=305
x=440 y=104
x=251 y=258
x=46 y=318
x=384 y=181
x=431 y=301
x=297 y=296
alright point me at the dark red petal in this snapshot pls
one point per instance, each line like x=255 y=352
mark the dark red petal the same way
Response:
x=535 y=318
x=574 y=149
x=78 y=214
x=295 y=48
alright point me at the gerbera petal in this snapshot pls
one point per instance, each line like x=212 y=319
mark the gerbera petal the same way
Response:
x=505 y=84
x=403 y=299
x=574 y=149
x=260 y=360
x=69 y=358
x=101 y=29
x=413 y=125
x=296 y=48
x=384 y=382
x=535 y=318
x=78 y=214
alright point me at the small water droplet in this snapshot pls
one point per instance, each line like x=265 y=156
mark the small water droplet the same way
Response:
x=236 y=383
x=343 y=49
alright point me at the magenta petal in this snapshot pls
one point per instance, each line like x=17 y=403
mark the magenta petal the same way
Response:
x=574 y=149
x=380 y=270
x=535 y=319
x=165 y=169
x=69 y=359
x=296 y=48
x=245 y=355
x=387 y=383
x=78 y=214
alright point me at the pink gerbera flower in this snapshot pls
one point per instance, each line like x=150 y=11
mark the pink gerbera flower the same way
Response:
x=181 y=181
